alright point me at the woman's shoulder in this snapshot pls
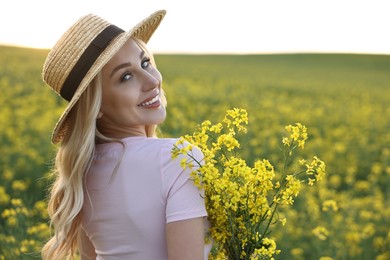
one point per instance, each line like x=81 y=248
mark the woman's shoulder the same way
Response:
x=180 y=149
x=159 y=143
x=176 y=153
x=168 y=144
x=153 y=145
x=150 y=145
x=176 y=142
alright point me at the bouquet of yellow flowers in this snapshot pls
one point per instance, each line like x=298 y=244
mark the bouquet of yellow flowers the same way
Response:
x=242 y=201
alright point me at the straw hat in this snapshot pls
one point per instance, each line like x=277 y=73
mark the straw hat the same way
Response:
x=81 y=53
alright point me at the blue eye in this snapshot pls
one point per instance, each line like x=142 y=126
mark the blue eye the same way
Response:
x=126 y=77
x=145 y=63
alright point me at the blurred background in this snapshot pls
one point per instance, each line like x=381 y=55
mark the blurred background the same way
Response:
x=325 y=64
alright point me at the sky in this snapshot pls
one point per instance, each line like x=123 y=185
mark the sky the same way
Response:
x=214 y=26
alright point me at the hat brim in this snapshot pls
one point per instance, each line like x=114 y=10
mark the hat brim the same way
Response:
x=143 y=31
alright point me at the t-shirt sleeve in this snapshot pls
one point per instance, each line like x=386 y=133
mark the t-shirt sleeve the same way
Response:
x=182 y=198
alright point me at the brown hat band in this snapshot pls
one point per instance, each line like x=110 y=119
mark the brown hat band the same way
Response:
x=87 y=59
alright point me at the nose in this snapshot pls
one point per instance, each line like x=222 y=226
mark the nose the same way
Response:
x=150 y=80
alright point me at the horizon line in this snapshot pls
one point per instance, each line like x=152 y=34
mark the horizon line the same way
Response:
x=224 y=52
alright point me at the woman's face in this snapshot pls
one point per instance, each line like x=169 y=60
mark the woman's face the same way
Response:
x=131 y=93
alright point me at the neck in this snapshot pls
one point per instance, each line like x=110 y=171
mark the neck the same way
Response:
x=116 y=132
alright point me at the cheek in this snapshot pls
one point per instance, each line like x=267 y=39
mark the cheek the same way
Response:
x=115 y=102
x=106 y=102
x=110 y=103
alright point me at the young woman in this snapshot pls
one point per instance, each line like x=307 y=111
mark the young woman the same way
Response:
x=117 y=194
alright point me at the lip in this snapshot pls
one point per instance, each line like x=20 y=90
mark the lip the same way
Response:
x=155 y=97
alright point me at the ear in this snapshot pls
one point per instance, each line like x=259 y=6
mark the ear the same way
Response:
x=99 y=115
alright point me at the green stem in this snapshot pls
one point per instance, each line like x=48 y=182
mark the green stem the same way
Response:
x=233 y=241
x=269 y=222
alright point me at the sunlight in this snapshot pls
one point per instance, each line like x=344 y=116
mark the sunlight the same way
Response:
x=250 y=26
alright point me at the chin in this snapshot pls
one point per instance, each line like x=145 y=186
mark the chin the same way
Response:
x=160 y=117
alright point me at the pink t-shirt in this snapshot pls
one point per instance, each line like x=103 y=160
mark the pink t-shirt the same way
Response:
x=125 y=212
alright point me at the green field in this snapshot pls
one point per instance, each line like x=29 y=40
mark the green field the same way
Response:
x=343 y=99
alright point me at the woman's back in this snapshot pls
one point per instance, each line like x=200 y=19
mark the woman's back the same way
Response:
x=125 y=212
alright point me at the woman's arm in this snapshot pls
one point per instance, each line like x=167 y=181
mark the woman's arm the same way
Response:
x=86 y=248
x=185 y=239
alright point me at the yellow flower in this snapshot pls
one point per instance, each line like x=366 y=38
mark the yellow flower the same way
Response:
x=4 y=197
x=28 y=245
x=298 y=134
x=286 y=141
x=12 y=221
x=315 y=168
x=321 y=232
x=241 y=201
x=16 y=202
x=297 y=251
x=379 y=243
x=228 y=141
x=183 y=162
x=302 y=162
x=292 y=188
x=330 y=204
x=8 y=175
x=19 y=185
x=216 y=128
x=41 y=230
x=40 y=209
x=384 y=256
x=8 y=213
x=368 y=230
x=268 y=248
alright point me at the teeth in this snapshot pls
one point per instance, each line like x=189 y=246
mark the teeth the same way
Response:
x=147 y=103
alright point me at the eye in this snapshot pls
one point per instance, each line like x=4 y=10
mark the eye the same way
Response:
x=126 y=76
x=145 y=63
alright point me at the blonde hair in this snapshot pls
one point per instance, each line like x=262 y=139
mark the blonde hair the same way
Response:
x=73 y=160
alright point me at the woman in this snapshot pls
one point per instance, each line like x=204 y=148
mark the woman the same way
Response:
x=118 y=194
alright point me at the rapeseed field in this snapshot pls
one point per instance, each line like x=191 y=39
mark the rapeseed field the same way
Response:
x=342 y=99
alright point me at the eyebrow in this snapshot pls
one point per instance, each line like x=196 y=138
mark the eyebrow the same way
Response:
x=126 y=64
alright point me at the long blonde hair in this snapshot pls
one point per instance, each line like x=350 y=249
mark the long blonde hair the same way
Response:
x=74 y=157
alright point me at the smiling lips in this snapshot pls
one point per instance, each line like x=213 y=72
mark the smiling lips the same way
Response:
x=153 y=102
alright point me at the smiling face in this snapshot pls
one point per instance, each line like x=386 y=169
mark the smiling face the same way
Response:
x=132 y=93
